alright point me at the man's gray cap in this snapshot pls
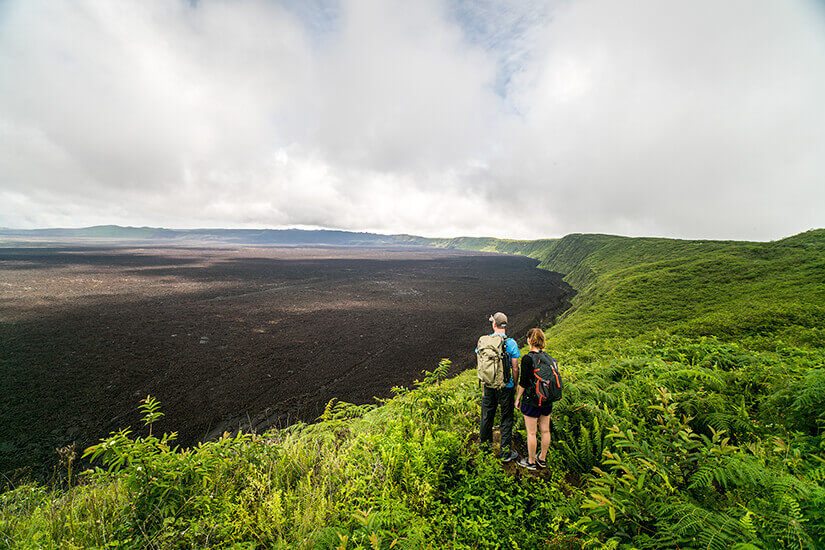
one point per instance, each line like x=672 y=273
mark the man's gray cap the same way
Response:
x=499 y=319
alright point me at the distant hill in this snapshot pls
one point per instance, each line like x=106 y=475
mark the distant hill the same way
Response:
x=728 y=289
x=233 y=236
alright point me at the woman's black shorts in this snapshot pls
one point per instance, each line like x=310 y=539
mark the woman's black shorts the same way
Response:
x=534 y=411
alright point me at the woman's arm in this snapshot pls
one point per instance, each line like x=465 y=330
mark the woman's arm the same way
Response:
x=524 y=380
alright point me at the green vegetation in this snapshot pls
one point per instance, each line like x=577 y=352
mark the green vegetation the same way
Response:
x=693 y=417
x=630 y=286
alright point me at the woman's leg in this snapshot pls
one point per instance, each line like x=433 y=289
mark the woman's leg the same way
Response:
x=530 y=424
x=544 y=426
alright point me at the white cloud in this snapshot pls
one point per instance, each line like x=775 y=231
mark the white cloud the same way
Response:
x=400 y=91
x=695 y=119
x=678 y=119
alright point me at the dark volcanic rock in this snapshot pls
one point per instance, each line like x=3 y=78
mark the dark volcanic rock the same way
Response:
x=229 y=337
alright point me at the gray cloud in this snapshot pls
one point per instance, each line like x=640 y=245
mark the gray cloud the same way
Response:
x=694 y=119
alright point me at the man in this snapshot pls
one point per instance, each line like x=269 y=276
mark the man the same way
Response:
x=504 y=397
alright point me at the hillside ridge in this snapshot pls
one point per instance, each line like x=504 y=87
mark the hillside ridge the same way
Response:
x=229 y=236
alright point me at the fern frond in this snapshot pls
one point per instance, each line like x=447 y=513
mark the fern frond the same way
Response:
x=706 y=377
x=712 y=530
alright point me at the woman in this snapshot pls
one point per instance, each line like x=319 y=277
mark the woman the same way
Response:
x=535 y=416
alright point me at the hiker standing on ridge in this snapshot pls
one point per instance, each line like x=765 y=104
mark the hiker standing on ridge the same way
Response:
x=498 y=369
x=533 y=406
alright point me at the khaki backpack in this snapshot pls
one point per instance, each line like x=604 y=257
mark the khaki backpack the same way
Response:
x=491 y=369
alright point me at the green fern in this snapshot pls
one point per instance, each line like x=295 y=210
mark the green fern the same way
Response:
x=705 y=528
x=336 y=410
x=693 y=376
x=731 y=472
x=582 y=444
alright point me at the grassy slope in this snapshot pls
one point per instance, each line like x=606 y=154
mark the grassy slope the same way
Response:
x=692 y=418
x=629 y=286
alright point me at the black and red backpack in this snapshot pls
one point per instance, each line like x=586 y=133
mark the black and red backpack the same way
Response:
x=548 y=384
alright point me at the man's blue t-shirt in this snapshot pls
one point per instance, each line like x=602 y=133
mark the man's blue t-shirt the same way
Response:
x=511 y=349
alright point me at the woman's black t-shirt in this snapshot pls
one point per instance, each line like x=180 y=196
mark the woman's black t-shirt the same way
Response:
x=527 y=379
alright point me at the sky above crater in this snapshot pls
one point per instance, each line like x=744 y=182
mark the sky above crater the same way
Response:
x=524 y=119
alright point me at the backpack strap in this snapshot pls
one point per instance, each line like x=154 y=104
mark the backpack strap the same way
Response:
x=505 y=360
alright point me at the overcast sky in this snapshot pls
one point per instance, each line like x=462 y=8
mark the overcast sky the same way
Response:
x=527 y=119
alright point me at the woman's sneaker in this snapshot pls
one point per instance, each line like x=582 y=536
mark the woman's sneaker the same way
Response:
x=524 y=464
x=541 y=463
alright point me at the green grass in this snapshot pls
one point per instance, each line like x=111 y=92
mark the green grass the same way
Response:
x=693 y=417
x=731 y=290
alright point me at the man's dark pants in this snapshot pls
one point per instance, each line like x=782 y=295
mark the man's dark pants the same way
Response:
x=489 y=401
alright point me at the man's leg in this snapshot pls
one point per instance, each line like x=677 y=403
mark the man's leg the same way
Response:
x=488 y=413
x=507 y=398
